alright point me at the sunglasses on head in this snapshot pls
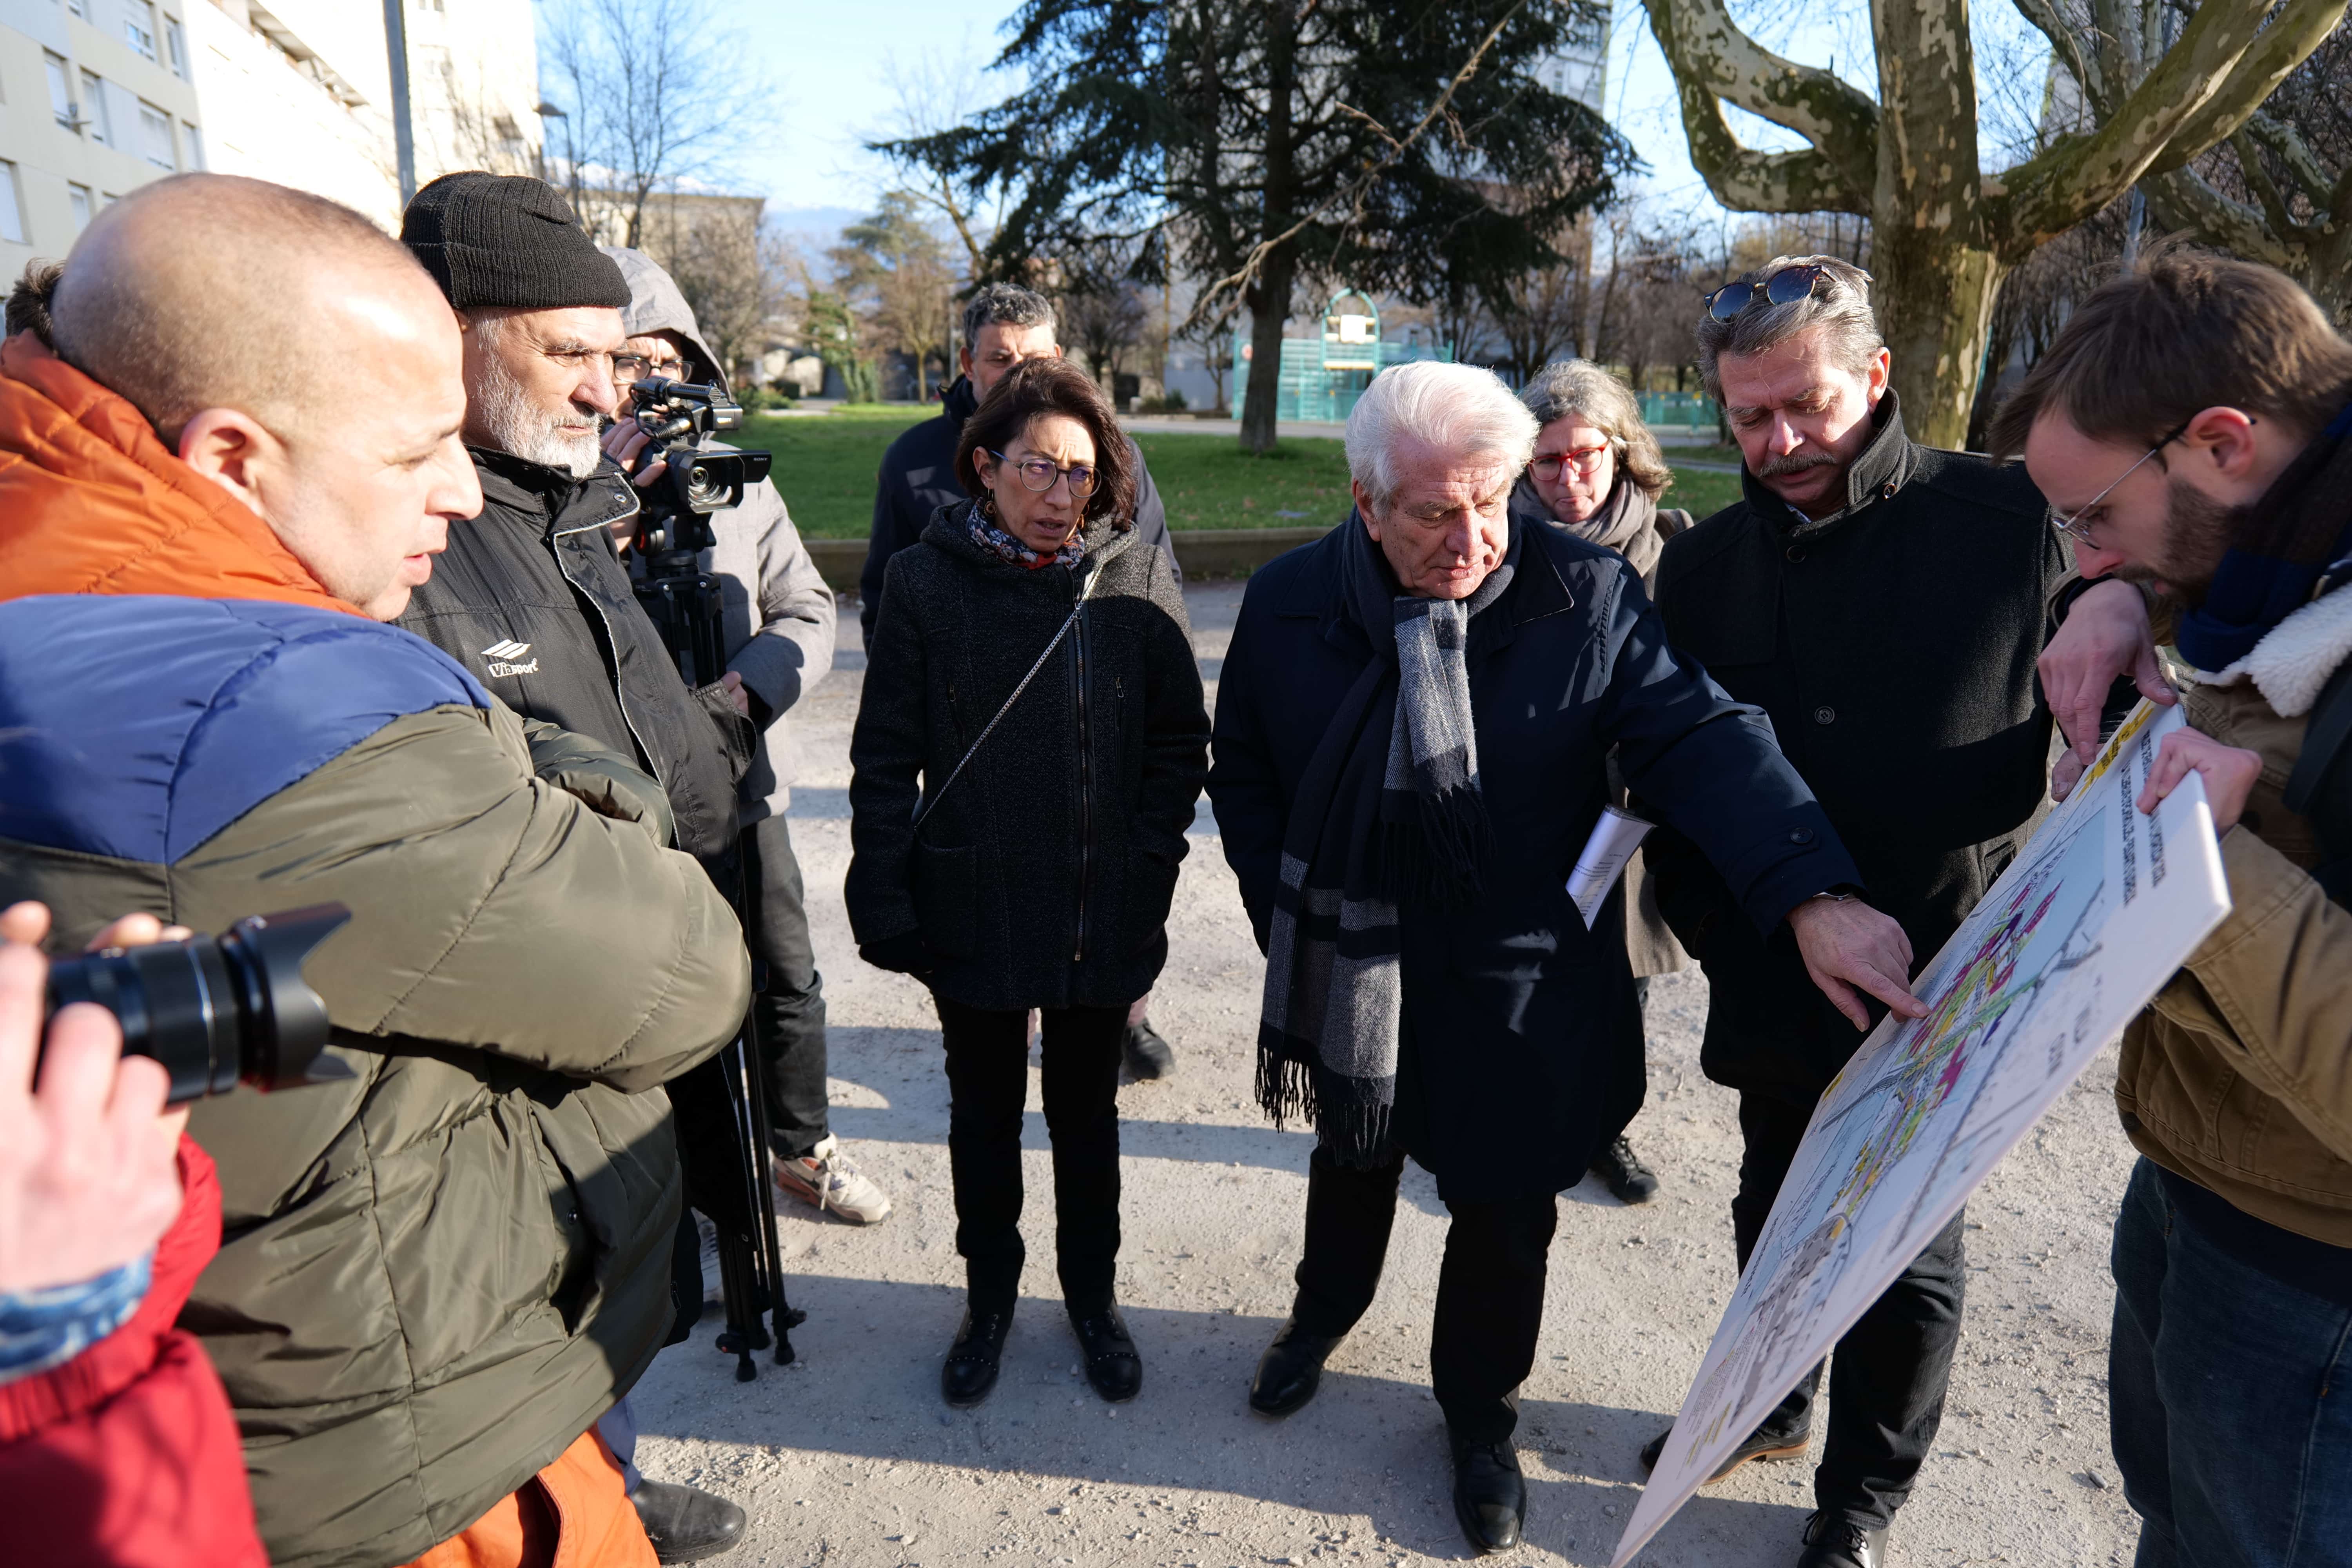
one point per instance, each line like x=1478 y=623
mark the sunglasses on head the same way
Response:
x=1781 y=287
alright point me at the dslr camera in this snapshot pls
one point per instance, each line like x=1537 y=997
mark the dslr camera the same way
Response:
x=217 y=1011
x=682 y=599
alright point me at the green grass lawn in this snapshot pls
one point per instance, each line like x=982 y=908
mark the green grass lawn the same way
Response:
x=825 y=468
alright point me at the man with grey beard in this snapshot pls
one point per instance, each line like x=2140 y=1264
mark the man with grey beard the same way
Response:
x=531 y=598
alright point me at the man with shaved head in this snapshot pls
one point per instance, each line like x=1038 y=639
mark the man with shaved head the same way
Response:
x=229 y=453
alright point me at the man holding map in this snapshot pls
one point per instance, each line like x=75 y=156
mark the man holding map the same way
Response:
x=1885 y=604
x=2190 y=426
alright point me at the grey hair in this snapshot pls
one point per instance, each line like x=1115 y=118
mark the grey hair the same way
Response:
x=1840 y=301
x=1457 y=409
x=1004 y=305
x=1580 y=387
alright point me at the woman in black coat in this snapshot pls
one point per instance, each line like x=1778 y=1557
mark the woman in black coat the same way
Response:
x=1026 y=758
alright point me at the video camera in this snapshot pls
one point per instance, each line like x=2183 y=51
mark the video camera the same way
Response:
x=682 y=599
x=677 y=415
x=217 y=1011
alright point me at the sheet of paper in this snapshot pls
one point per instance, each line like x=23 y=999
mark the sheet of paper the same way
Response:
x=1614 y=838
x=2098 y=910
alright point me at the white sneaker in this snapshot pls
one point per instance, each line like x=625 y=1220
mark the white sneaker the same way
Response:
x=828 y=1179
x=713 y=1291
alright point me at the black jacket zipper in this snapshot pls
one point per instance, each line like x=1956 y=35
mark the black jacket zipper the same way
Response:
x=1086 y=786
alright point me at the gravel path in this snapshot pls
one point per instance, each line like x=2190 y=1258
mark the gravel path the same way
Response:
x=850 y=1456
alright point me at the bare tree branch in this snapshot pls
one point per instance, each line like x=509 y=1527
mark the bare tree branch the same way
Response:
x=1709 y=50
x=2197 y=85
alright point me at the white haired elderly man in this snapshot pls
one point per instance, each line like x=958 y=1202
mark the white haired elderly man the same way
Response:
x=1430 y=681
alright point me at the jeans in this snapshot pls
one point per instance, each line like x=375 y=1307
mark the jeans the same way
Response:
x=789 y=1012
x=1886 y=1386
x=2230 y=1397
x=1482 y=1345
x=988 y=1083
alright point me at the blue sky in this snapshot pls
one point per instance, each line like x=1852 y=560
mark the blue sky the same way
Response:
x=843 y=68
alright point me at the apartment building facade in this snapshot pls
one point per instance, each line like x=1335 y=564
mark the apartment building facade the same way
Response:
x=97 y=98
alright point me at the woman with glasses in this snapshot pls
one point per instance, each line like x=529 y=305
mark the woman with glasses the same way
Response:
x=1597 y=474
x=1027 y=753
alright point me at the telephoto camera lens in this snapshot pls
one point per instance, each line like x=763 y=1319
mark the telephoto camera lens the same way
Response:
x=217 y=1011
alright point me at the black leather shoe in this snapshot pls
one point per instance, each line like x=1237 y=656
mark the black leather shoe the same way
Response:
x=1762 y=1444
x=1621 y=1172
x=1291 y=1370
x=1490 y=1496
x=1148 y=1054
x=686 y=1525
x=1112 y=1364
x=970 y=1370
x=1834 y=1542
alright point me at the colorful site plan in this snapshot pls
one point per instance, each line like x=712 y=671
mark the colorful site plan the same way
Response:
x=2100 y=908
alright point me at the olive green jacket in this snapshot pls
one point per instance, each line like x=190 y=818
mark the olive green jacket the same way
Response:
x=436 y=1274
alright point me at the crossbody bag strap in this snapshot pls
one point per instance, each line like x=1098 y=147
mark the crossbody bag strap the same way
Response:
x=1085 y=591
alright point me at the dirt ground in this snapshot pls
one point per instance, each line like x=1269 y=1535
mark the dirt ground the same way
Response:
x=850 y=1456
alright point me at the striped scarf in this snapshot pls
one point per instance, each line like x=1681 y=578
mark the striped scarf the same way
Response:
x=1389 y=812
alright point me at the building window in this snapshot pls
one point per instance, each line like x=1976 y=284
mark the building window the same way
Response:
x=78 y=197
x=93 y=110
x=61 y=103
x=194 y=144
x=138 y=28
x=175 y=43
x=155 y=136
x=12 y=214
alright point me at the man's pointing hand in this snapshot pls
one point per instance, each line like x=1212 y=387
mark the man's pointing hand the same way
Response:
x=1851 y=947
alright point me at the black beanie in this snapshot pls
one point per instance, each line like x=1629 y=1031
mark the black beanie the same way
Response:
x=508 y=241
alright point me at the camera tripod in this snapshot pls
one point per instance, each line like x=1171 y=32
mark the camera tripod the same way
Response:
x=723 y=1104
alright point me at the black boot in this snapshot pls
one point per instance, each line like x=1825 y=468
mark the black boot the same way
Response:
x=970 y=1370
x=1834 y=1542
x=1490 y=1496
x=1147 y=1056
x=686 y=1525
x=1621 y=1172
x=1291 y=1370
x=1764 y=1443
x=1113 y=1366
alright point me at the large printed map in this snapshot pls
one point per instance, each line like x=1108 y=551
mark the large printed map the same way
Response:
x=2098 y=910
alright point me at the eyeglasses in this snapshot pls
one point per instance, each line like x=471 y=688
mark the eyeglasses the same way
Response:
x=1788 y=283
x=627 y=368
x=1547 y=465
x=2071 y=525
x=1039 y=475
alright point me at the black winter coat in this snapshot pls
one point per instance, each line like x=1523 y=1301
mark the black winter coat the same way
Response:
x=1045 y=876
x=530 y=598
x=918 y=477
x=1520 y=1048
x=1894 y=645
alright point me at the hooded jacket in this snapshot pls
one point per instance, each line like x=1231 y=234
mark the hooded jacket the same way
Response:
x=436 y=1272
x=1043 y=878
x=918 y=477
x=779 y=614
